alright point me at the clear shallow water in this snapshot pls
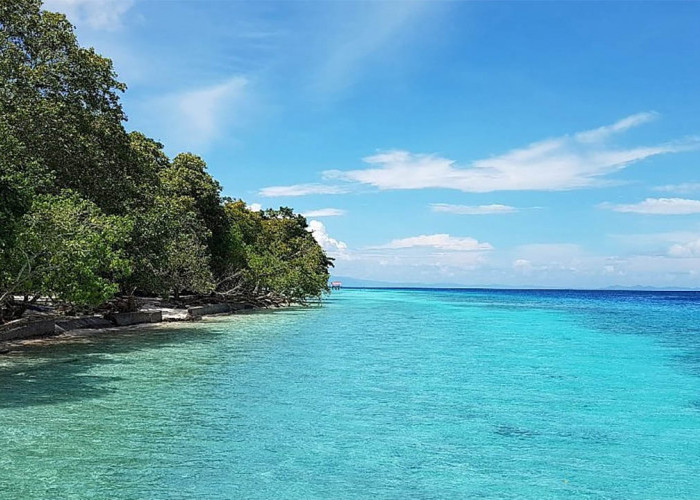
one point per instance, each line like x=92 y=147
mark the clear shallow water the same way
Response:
x=380 y=393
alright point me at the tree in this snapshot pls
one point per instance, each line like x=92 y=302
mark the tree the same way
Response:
x=148 y=161
x=186 y=265
x=87 y=210
x=167 y=249
x=66 y=249
x=18 y=177
x=61 y=101
x=287 y=245
x=188 y=179
x=281 y=256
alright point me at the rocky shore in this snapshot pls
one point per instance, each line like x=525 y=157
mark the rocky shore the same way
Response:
x=47 y=324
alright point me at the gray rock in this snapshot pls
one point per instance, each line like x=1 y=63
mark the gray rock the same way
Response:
x=199 y=311
x=66 y=325
x=27 y=329
x=135 y=318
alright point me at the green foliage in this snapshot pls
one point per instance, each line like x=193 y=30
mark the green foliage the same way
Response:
x=148 y=162
x=88 y=210
x=281 y=255
x=160 y=231
x=62 y=102
x=16 y=186
x=188 y=180
x=244 y=227
x=186 y=265
x=69 y=250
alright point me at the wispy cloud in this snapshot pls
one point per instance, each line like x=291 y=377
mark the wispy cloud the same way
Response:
x=606 y=131
x=440 y=242
x=301 y=190
x=365 y=31
x=204 y=109
x=563 y=163
x=472 y=210
x=657 y=206
x=96 y=14
x=193 y=118
x=318 y=230
x=325 y=212
x=684 y=188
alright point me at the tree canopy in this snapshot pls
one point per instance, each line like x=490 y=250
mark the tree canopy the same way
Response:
x=89 y=210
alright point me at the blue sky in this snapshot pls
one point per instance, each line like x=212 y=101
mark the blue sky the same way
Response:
x=471 y=143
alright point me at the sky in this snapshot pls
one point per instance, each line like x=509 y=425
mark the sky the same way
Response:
x=547 y=144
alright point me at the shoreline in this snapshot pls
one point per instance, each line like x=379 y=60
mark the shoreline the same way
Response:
x=167 y=319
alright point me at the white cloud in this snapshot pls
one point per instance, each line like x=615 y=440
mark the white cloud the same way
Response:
x=653 y=239
x=440 y=242
x=671 y=243
x=690 y=249
x=602 y=133
x=540 y=268
x=542 y=259
x=522 y=265
x=202 y=111
x=255 y=207
x=549 y=251
x=96 y=14
x=687 y=187
x=301 y=190
x=192 y=119
x=325 y=212
x=658 y=269
x=658 y=206
x=472 y=210
x=318 y=229
x=567 y=162
x=610 y=269
x=543 y=265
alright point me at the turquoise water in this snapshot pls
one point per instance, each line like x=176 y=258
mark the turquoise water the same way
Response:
x=380 y=393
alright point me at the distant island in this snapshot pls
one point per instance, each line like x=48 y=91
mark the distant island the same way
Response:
x=350 y=282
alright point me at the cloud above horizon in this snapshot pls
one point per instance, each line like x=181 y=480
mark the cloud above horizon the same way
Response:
x=293 y=102
x=360 y=38
x=563 y=163
x=472 y=210
x=581 y=160
x=96 y=14
x=318 y=230
x=602 y=133
x=193 y=118
x=543 y=264
x=301 y=190
x=685 y=250
x=684 y=188
x=438 y=241
x=657 y=206
x=325 y=212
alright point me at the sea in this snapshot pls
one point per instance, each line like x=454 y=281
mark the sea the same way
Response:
x=377 y=393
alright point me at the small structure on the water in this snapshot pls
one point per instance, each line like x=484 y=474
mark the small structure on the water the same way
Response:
x=336 y=285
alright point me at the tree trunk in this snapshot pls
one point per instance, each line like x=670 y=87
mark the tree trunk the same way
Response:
x=10 y=310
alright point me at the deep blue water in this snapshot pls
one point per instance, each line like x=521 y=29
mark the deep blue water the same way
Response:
x=377 y=394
